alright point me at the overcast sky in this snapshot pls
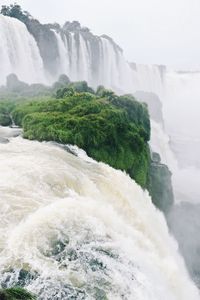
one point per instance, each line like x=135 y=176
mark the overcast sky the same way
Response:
x=149 y=31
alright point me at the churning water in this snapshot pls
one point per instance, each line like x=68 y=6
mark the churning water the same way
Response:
x=72 y=228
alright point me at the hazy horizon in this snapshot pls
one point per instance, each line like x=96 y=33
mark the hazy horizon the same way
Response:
x=148 y=31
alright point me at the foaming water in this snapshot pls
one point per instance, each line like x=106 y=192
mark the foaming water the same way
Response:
x=74 y=228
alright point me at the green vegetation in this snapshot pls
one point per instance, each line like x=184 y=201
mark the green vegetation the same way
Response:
x=15 y=293
x=5 y=120
x=15 y=11
x=111 y=129
x=5 y=109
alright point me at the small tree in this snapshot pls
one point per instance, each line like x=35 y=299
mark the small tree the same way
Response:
x=15 y=11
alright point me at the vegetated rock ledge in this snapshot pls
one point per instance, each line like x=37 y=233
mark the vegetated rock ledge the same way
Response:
x=16 y=293
x=110 y=128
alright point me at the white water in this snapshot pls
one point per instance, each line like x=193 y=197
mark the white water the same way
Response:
x=19 y=53
x=74 y=57
x=83 y=229
x=113 y=70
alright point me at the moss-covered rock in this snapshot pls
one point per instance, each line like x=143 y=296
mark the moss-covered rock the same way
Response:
x=5 y=110
x=110 y=128
x=114 y=130
x=5 y=120
x=160 y=185
x=16 y=293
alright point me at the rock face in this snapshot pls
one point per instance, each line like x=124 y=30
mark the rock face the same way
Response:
x=46 y=42
x=160 y=185
x=14 y=84
x=74 y=42
x=154 y=105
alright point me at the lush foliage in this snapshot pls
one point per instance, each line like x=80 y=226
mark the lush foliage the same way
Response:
x=110 y=128
x=5 y=110
x=15 y=293
x=114 y=129
x=15 y=11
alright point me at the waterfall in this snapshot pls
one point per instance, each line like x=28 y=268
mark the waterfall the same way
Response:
x=74 y=57
x=97 y=60
x=113 y=71
x=84 y=60
x=64 y=58
x=19 y=53
x=72 y=227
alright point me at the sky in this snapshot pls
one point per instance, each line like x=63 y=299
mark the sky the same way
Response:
x=149 y=31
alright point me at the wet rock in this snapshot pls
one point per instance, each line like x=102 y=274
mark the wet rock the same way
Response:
x=160 y=185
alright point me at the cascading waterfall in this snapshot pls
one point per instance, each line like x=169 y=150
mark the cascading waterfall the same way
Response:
x=74 y=57
x=64 y=59
x=113 y=71
x=110 y=74
x=19 y=53
x=84 y=59
x=102 y=64
x=72 y=227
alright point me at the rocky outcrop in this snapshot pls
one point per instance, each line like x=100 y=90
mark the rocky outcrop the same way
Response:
x=160 y=185
x=13 y=84
x=154 y=105
x=46 y=41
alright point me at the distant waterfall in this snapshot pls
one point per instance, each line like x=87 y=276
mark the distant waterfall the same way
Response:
x=19 y=53
x=112 y=70
x=81 y=56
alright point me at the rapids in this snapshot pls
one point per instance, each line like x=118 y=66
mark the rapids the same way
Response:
x=72 y=228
